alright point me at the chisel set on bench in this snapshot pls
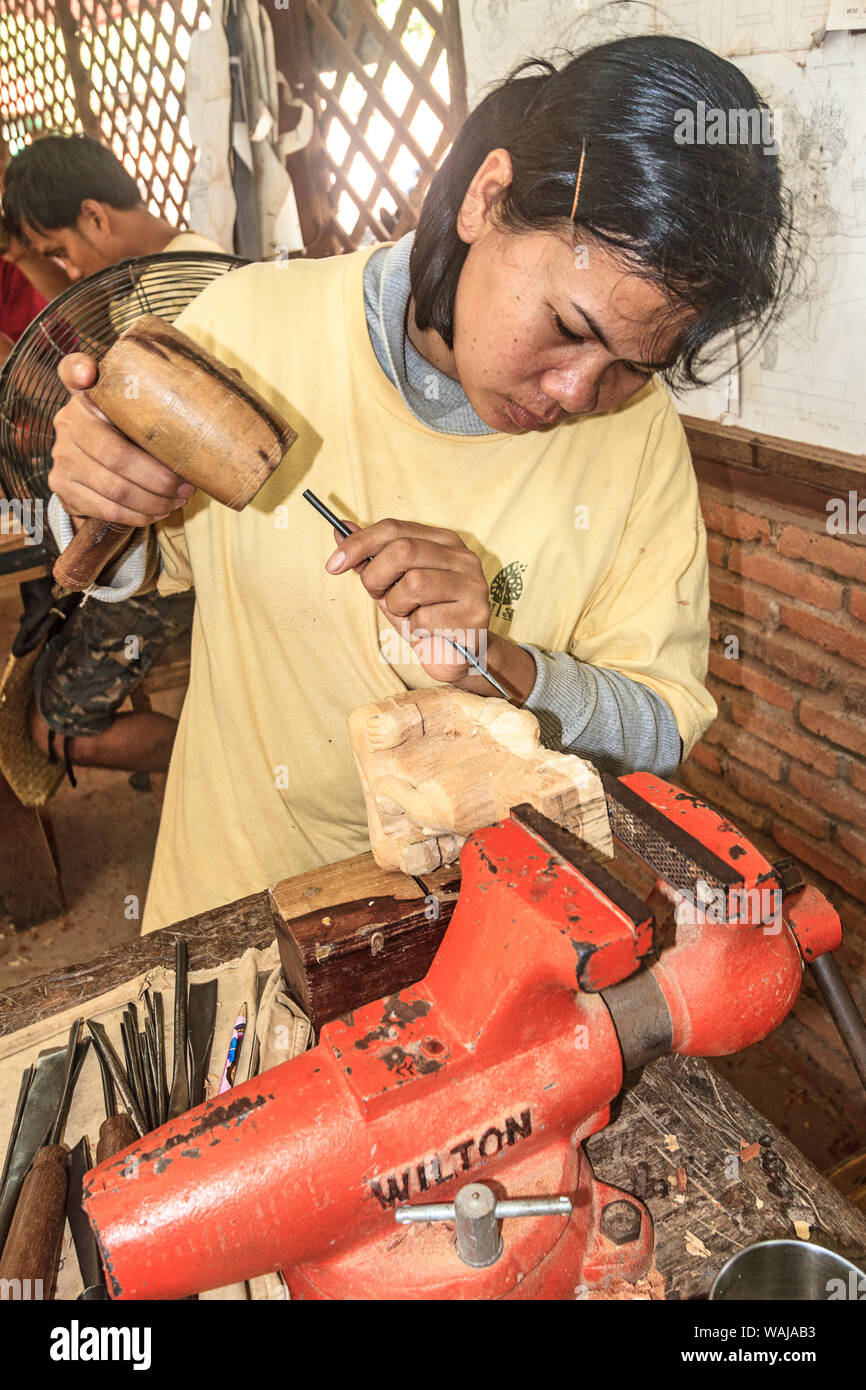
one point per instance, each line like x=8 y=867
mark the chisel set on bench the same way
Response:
x=41 y=1184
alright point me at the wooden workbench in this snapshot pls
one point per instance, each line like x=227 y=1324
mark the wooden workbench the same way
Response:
x=677 y=1113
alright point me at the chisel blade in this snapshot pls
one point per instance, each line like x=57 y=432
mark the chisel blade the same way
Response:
x=38 y=1115
x=202 y=1019
x=178 y=1100
x=83 y=1238
x=26 y=1078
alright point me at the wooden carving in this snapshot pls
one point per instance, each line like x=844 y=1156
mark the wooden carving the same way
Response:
x=437 y=764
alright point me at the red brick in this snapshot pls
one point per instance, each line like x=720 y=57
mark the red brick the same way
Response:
x=854 y=843
x=738 y=525
x=855 y=693
x=746 y=747
x=740 y=597
x=829 y=552
x=755 y=788
x=833 y=795
x=857 y=776
x=841 y=636
x=719 y=793
x=852 y=952
x=801 y=660
x=743 y=673
x=828 y=862
x=706 y=757
x=715 y=550
x=847 y=730
x=777 y=731
x=785 y=578
x=857 y=604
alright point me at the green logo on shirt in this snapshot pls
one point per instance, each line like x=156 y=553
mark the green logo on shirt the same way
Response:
x=505 y=591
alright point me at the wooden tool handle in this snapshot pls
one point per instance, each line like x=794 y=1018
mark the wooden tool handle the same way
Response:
x=115 y=1133
x=32 y=1249
x=93 y=546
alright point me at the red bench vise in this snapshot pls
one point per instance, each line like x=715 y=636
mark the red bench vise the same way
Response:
x=486 y=1076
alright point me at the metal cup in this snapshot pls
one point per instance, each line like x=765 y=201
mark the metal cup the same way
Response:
x=788 y=1270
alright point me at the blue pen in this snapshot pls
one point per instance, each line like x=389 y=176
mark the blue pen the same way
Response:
x=228 y=1076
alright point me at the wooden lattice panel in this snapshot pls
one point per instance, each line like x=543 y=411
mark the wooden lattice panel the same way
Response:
x=390 y=88
x=115 y=70
x=36 y=87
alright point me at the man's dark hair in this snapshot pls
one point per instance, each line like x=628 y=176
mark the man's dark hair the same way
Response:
x=708 y=223
x=47 y=182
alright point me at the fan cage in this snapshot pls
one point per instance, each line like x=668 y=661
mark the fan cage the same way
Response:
x=88 y=317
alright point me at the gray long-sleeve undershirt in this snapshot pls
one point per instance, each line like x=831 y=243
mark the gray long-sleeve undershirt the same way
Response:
x=618 y=724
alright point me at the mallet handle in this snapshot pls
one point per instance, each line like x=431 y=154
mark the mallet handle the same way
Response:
x=94 y=545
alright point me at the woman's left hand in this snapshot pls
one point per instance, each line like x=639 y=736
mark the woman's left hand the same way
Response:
x=429 y=585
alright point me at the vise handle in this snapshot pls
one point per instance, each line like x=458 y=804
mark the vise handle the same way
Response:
x=476 y=1214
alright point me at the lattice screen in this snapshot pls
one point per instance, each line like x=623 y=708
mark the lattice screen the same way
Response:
x=387 y=76
x=390 y=81
x=113 y=69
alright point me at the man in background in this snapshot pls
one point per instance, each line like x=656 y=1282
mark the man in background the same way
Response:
x=69 y=200
x=27 y=282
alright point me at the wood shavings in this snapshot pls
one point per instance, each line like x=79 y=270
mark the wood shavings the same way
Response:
x=759 y=1203
x=671 y=1143
x=803 y=1229
x=682 y=1180
x=649 y=1289
x=695 y=1246
x=749 y=1151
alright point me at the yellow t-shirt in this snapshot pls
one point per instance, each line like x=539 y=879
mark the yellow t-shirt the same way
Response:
x=590 y=535
x=192 y=241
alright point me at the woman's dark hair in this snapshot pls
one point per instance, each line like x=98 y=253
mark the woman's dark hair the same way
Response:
x=47 y=182
x=708 y=223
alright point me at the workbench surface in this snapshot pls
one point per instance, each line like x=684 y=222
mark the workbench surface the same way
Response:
x=743 y=1180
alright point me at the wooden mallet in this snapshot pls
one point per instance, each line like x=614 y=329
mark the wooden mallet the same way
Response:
x=189 y=411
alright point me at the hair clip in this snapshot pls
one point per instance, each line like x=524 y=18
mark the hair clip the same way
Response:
x=579 y=177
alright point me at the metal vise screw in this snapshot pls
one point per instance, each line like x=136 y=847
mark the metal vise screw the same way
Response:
x=476 y=1213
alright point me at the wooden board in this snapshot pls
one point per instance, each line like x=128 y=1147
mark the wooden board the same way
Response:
x=730 y=1201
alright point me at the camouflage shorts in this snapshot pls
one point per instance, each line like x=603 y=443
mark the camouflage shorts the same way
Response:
x=100 y=655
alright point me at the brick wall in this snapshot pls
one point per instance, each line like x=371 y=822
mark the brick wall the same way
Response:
x=786 y=758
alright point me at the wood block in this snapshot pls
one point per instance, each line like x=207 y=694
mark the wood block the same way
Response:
x=437 y=764
x=350 y=932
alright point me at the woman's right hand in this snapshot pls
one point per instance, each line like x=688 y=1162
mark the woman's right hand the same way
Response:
x=96 y=470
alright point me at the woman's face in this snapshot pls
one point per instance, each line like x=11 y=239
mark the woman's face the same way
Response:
x=543 y=330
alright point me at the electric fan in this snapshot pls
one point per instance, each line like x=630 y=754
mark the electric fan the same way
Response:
x=88 y=317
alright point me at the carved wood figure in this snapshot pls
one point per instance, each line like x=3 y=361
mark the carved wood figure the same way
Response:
x=436 y=764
